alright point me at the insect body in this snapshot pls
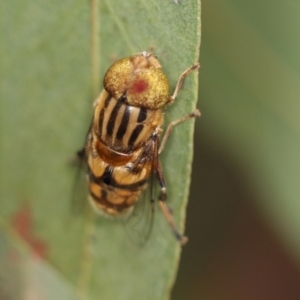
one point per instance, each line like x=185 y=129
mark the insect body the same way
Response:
x=122 y=146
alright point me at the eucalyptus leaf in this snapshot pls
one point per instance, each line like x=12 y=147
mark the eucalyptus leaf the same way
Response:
x=53 y=58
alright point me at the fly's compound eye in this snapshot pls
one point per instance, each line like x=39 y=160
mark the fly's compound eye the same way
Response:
x=148 y=88
x=140 y=79
x=117 y=77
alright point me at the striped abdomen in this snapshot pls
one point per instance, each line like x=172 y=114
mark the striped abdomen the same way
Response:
x=116 y=190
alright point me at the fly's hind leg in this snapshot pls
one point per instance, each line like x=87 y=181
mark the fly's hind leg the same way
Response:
x=164 y=207
x=163 y=194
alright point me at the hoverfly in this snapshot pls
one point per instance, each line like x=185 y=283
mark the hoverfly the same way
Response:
x=123 y=143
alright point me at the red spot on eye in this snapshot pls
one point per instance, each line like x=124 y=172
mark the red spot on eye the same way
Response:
x=22 y=222
x=139 y=86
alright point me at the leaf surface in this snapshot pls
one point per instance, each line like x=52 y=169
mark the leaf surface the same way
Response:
x=53 y=58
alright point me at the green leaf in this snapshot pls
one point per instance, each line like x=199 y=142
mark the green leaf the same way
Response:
x=53 y=58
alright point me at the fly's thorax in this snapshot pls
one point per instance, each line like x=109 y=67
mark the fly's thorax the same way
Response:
x=123 y=127
x=140 y=80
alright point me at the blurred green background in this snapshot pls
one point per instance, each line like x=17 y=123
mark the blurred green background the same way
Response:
x=243 y=218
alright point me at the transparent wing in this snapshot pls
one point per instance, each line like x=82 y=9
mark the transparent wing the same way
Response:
x=140 y=223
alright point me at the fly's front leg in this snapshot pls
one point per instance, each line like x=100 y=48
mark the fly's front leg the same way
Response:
x=165 y=208
x=171 y=126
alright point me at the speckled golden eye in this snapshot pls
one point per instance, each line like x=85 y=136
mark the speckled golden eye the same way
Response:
x=122 y=146
x=117 y=77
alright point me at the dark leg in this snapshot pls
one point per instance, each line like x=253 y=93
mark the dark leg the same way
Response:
x=165 y=209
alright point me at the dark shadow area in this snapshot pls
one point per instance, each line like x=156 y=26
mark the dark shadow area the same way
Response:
x=232 y=252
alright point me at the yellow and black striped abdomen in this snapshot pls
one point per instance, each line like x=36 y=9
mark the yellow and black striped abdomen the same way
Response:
x=114 y=190
x=121 y=126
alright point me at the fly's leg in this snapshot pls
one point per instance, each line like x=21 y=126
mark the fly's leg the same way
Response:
x=163 y=194
x=171 y=126
x=181 y=79
x=164 y=207
x=194 y=114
